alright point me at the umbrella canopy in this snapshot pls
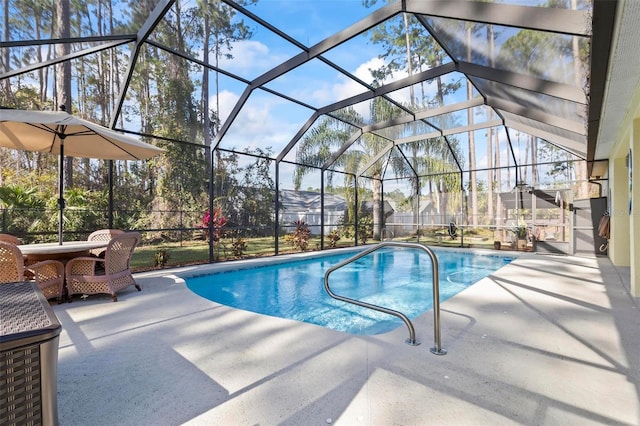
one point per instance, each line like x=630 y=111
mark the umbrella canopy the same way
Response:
x=58 y=132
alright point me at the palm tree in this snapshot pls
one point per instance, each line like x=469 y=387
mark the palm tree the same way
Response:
x=317 y=146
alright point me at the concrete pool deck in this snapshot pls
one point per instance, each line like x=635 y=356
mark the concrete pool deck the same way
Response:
x=546 y=340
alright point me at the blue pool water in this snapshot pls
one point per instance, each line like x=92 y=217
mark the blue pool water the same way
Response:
x=399 y=279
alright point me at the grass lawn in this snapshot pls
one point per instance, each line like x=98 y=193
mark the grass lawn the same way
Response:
x=197 y=252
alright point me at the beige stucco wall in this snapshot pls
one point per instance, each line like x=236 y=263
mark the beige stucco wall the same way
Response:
x=624 y=246
x=634 y=217
x=620 y=237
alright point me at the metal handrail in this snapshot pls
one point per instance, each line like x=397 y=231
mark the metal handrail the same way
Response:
x=437 y=349
x=384 y=231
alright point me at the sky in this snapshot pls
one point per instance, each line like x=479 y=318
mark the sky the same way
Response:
x=267 y=120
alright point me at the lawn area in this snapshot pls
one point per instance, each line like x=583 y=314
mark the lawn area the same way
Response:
x=197 y=252
x=194 y=252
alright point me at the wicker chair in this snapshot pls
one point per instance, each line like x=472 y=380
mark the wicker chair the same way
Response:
x=48 y=274
x=102 y=235
x=82 y=272
x=8 y=238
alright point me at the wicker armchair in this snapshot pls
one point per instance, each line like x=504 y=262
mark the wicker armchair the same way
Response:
x=83 y=276
x=48 y=274
x=102 y=235
x=8 y=238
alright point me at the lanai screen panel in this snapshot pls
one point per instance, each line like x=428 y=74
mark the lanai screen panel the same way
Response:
x=568 y=109
x=34 y=56
x=299 y=204
x=580 y=5
x=433 y=156
x=245 y=191
x=540 y=61
x=482 y=151
x=246 y=49
x=546 y=55
x=549 y=166
x=291 y=175
x=550 y=153
x=317 y=145
x=305 y=20
x=413 y=129
x=362 y=157
x=361 y=57
x=265 y=120
x=421 y=98
x=90 y=96
x=35 y=21
x=571 y=141
x=373 y=111
x=371 y=58
x=464 y=120
x=222 y=94
x=163 y=78
x=505 y=178
x=316 y=84
x=150 y=81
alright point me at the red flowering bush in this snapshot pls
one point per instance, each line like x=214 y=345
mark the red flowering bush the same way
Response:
x=219 y=221
x=300 y=237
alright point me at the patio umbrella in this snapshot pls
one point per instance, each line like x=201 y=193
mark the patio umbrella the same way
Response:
x=58 y=132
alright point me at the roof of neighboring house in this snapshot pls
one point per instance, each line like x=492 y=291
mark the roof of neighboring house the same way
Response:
x=310 y=201
x=367 y=206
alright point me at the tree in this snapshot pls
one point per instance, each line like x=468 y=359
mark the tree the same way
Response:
x=472 y=142
x=257 y=209
x=218 y=30
x=408 y=48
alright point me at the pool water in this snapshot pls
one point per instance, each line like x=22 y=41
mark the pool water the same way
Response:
x=399 y=279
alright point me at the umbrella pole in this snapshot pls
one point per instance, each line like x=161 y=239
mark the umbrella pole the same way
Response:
x=61 y=189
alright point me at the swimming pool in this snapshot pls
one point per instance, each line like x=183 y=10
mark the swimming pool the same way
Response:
x=398 y=279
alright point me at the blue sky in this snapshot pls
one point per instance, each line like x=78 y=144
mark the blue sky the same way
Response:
x=269 y=121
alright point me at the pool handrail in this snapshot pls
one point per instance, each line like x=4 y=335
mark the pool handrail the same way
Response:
x=437 y=349
x=385 y=231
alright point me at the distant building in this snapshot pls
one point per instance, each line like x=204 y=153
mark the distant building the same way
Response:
x=306 y=206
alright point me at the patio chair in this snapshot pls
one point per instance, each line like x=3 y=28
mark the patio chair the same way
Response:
x=48 y=274
x=102 y=235
x=84 y=277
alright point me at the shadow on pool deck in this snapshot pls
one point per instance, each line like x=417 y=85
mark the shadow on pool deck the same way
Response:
x=550 y=340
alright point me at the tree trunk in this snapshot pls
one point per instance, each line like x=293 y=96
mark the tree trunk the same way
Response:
x=6 y=84
x=472 y=146
x=378 y=215
x=582 y=191
x=491 y=172
x=205 y=96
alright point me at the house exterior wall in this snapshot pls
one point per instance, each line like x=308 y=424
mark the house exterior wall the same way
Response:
x=624 y=246
x=634 y=214
x=332 y=220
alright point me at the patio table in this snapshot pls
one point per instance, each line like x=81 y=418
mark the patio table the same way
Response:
x=65 y=251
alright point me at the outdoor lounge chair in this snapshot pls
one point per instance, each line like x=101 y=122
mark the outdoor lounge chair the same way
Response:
x=102 y=235
x=48 y=274
x=84 y=277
